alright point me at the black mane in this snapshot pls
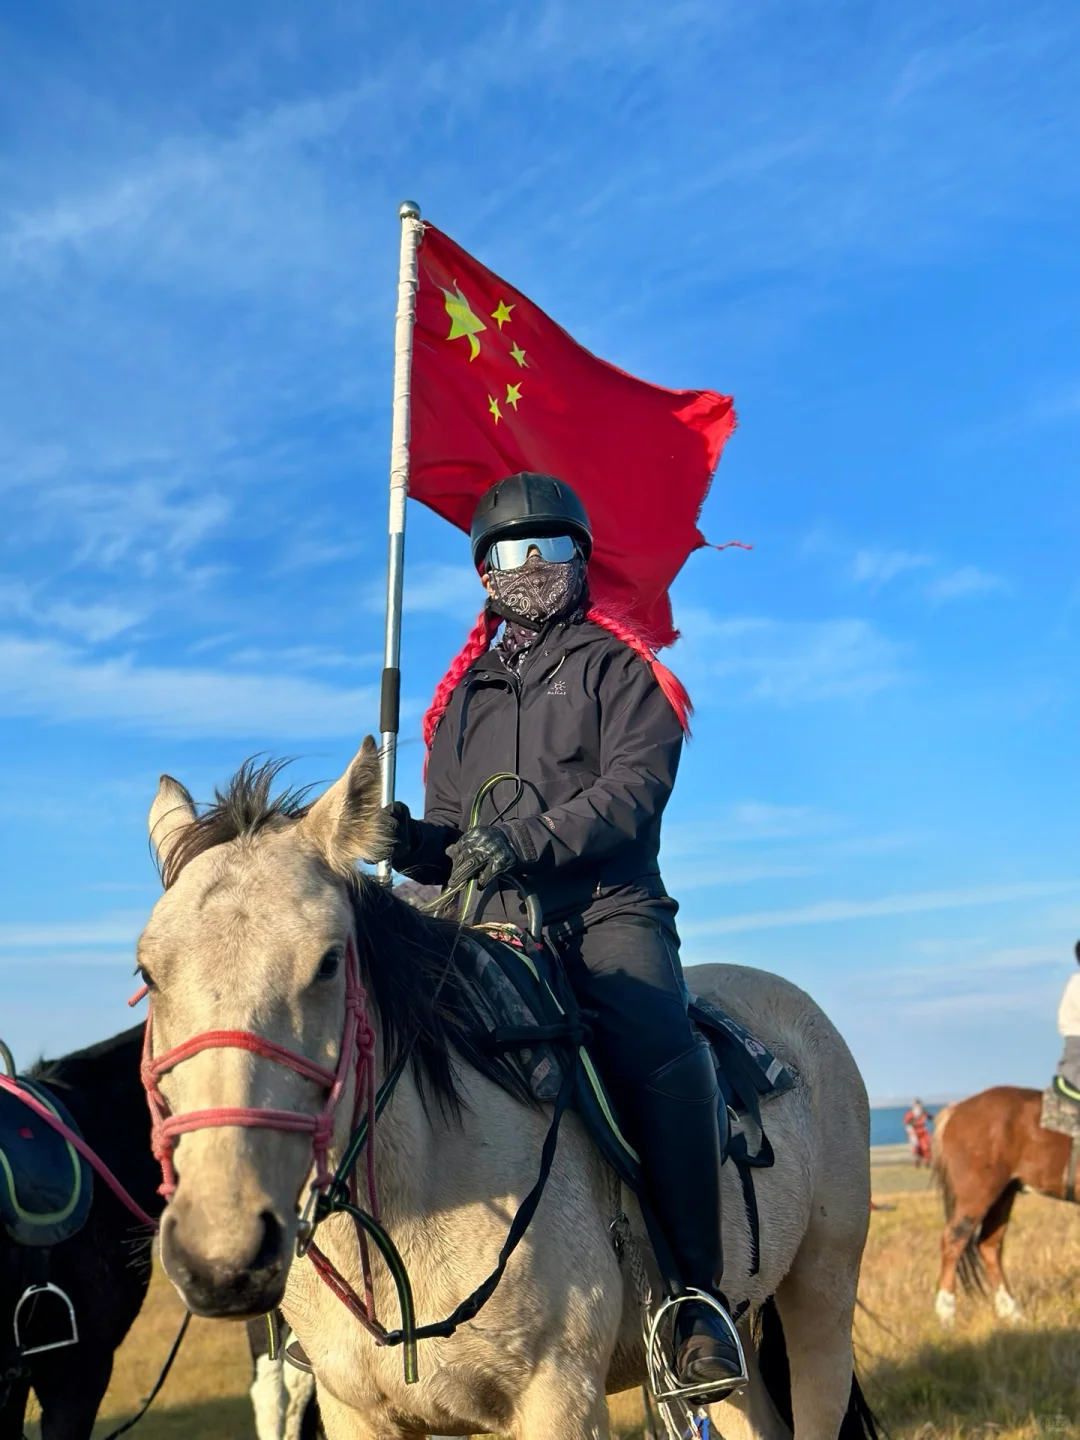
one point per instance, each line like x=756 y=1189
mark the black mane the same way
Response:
x=407 y=958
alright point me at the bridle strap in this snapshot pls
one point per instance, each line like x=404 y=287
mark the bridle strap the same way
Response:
x=242 y=1040
x=356 y=1055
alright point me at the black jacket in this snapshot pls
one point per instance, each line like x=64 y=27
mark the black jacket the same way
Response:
x=596 y=744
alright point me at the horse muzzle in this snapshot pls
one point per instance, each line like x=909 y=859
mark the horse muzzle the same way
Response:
x=242 y=1274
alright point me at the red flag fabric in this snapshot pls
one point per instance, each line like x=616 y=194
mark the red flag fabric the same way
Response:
x=498 y=387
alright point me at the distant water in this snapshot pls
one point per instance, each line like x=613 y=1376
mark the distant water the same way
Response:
x=887 y=1124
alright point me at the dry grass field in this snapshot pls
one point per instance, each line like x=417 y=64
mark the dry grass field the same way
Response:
x=982 y=1382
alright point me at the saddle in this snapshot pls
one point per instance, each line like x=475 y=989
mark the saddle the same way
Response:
x=1055 y=1094
x=1061 y=1114
x=524 y=1000
x=46 y=1187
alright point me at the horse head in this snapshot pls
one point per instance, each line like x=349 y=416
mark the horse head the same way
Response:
x=250 y=959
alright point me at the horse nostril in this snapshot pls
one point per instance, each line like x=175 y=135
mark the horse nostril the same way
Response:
x=271 y=1246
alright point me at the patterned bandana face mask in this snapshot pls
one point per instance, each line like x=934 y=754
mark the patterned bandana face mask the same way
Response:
x=539 y=590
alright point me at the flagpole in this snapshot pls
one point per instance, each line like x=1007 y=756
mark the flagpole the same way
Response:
x=390 y=703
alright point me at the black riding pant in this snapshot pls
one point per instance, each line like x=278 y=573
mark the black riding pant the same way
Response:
x=626 y=970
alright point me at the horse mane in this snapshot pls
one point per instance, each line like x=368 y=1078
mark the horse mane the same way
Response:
x=67 y=1072
x=245 y=807
x=406 y=958
x=408 y=963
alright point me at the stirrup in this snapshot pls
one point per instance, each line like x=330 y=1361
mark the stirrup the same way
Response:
x=294 y=1354
x=30 y=1294
x=664 y=1384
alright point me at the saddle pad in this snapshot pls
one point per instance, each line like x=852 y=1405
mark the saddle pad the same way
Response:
x=515 y=991
x=46 y=1187
x=1059 y=1113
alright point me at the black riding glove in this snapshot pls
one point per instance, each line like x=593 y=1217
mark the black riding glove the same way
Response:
x=482 y=854
x=404 y=832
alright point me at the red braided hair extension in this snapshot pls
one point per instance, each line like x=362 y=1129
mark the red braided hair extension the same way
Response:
x=478 y=643
x=668 y=681
x=484 y=631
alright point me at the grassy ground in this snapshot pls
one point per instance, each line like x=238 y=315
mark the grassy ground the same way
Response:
x=984 y=1381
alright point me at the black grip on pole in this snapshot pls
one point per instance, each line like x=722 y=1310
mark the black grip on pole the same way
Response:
x=390 y=701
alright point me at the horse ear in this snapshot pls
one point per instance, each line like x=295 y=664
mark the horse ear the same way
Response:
x=171 y=813
x=346 y=823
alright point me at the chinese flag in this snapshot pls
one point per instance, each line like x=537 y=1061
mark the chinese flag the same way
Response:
x=498 y=387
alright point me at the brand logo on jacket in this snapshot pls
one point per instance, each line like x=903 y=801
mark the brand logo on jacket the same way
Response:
x=557 y=687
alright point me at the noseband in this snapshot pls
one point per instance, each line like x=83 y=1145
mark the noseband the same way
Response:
x=356 y=1055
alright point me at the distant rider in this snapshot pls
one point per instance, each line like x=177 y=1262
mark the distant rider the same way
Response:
x=917 y=1124
x=574 y=706
x=1067 y=1079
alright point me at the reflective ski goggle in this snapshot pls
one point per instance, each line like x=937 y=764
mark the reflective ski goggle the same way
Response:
x=512 y=554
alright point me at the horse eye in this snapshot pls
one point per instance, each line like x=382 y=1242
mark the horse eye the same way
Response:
x=329 y=965
x=145 y=976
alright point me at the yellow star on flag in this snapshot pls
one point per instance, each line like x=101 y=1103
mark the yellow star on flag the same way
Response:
x=519 y=355
x=493 y=406
x=502 y=314
x=463 y=321
x=513 y=395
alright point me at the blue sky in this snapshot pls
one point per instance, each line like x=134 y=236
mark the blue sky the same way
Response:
x=859 y=219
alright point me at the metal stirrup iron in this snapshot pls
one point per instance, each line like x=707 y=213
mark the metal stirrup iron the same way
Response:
x=664 y=1384
x=28 y=1297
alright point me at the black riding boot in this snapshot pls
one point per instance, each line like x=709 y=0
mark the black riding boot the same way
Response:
x=678 y=1138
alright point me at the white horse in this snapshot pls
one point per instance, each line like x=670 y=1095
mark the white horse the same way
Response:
x=261 y=917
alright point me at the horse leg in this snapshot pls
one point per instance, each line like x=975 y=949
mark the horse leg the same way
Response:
x=955 y=1239
x=14 y=1395
x=342 y=1422
x=816 y=1305
x=70 y=1392
x=991 y=1242
x=751 y=1414
x=556 y=1401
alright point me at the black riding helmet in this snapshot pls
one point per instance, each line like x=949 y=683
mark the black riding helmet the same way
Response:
x=528 y=505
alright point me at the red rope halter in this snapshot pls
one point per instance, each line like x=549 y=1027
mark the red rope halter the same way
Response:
x=356 y=1055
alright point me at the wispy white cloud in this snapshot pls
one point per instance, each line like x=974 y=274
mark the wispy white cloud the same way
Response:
x=749 y=822
x=962 y=583
x=122 y=927
x=434 y=589
x=302 y=657
x=876 y=568
x=90 y=621
x=788 y=662
x=55 y=682
x=828 y=912
x=685 y=874
x=926 y=576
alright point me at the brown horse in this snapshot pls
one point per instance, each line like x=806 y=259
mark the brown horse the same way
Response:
x=986 y=1150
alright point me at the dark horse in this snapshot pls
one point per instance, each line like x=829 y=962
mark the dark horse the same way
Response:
x=105 y=1267
x=986 y=1150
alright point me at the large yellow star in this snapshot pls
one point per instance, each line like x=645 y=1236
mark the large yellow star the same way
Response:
x=463 y=320
x=519 y=355
x=493 y=406
x=513 y=395
x=501 y=314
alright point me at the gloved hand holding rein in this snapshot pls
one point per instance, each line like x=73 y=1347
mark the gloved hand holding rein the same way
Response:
x=482 y=854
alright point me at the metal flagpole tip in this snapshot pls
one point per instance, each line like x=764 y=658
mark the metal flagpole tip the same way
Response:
x=408 y=210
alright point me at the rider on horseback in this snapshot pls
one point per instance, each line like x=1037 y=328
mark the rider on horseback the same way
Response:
x=1067 y=1080
x=581 y=729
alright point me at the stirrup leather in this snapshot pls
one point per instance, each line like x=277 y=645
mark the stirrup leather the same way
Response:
x=660 y=1350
